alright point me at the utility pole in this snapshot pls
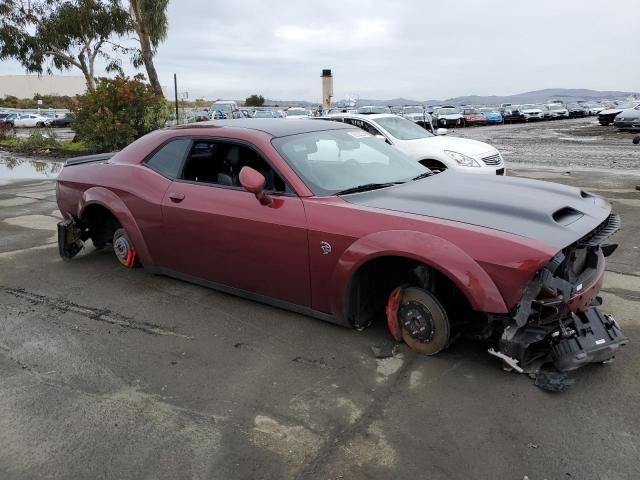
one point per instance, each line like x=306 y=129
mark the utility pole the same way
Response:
x=175 y=88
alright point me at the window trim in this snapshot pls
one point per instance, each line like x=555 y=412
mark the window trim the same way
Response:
x=244 y=143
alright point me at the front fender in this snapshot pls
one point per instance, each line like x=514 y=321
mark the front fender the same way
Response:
x=109 y=200
x=436 y=252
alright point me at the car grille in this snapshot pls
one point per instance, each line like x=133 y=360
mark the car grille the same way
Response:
x=492 y=159
x=603 y=231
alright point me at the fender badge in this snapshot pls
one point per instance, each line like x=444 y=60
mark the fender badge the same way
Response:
x=326 y=248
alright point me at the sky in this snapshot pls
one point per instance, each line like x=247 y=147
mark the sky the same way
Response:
x=396 y=48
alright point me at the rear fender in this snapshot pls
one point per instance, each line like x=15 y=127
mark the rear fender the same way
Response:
x=109 y=200
x=440 y=254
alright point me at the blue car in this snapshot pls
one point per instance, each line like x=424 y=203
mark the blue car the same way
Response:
x=492 y=116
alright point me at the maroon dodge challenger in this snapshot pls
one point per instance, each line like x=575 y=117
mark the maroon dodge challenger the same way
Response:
x=324 y=219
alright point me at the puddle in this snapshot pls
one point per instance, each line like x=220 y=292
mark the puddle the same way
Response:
x=18 y=168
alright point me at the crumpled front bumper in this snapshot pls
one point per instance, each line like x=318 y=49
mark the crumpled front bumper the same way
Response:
x=587 y=337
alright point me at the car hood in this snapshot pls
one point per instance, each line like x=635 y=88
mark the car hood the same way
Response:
x=532 y=110
x=628 y=114
x=449 y=116
x=548 y=212
x=466 y=146
x=610 y=111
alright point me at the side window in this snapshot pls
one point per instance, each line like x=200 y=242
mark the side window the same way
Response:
x=219 y=163
x=366 y=126
x=168 y=160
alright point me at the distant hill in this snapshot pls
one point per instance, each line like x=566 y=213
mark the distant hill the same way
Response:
x=539 y=96
x=536 y=96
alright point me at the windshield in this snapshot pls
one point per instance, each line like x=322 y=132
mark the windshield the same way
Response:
x=447 y=111
x=296 y=113
x=402 y=129
x=413 y=109
x=224 y=107
x=263 y=114
x=336 y=160
x=489 y=110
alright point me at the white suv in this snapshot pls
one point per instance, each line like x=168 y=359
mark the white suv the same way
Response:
x=436 y=152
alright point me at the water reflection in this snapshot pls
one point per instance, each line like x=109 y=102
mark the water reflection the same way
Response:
x=16 y=168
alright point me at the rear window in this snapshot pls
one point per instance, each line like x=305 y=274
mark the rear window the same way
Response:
x=168 y=160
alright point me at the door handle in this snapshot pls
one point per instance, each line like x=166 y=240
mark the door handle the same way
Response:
x=176 y=197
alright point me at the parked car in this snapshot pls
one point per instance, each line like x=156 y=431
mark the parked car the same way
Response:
x=492 y=115
x=447 y=116
x=512 y=114
x=557 y=111
x=471 y=116
x=264 y=114
x=30 y=120
x=226 y=108
x=323 y=219
x=594 y=108
x=372 y=109
x=417 y=114
x=61 y=119
x=532 y=112
x=5 y=117
x=296 y=112
x=628 y=119
x=576 y=110
x=606 y=117
x=436 y=152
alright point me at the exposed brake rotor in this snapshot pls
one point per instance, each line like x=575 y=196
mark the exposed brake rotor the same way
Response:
x=423 y=322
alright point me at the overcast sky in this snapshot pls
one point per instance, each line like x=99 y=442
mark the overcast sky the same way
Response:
x=403 y=48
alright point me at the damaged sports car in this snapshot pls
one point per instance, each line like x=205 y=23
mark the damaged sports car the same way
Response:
x=327 y=220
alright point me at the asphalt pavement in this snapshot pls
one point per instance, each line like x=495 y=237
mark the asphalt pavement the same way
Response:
x=107 y=372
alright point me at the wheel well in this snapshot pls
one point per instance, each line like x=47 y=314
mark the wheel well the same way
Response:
x=374 y=281
x=432 y=164
x=100 y=223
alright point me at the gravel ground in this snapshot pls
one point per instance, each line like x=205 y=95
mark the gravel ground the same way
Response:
x=110 y=373
x=565 y=144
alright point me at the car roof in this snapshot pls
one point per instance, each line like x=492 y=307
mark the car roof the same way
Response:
x=276 y=127
x=362 y=116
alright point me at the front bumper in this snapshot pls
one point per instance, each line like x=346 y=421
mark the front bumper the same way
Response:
x=627 y=124
x=557 y=323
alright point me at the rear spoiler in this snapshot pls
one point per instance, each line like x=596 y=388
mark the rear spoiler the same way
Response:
x=99 y=157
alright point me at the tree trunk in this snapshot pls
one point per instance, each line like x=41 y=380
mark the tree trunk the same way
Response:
x=146 y=49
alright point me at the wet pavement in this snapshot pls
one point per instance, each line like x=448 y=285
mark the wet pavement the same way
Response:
x=107 y=372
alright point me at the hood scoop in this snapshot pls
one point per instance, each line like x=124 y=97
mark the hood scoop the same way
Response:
x=567 y=215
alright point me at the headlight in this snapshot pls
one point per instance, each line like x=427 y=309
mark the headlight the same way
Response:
x=462 y=160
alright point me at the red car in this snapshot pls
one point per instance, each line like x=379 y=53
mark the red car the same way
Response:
x=472 y=116
x=326 y=220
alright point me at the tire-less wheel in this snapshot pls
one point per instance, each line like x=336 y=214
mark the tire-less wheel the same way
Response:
x=124 y=249
x=423 y=322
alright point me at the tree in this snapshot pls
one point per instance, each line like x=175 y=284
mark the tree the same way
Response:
x=117 y=112
x=254 y=101
x=51 y=34
x=149 y=21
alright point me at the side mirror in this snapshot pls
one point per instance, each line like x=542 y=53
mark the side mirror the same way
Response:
x=253 y=182
x=442 y=131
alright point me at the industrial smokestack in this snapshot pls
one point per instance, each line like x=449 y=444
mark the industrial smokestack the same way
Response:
x=327 y=88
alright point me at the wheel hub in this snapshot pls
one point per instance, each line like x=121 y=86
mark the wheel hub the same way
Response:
x=417 y=321
x=121 y=247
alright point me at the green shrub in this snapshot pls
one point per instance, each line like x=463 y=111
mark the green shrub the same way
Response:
x=120 y=111
x=38 y=139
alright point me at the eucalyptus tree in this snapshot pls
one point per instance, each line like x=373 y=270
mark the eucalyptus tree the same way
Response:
x=44 y=35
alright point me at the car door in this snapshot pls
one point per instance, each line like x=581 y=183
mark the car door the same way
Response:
x=216 y=231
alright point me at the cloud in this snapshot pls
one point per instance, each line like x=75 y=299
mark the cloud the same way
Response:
x=408 y=48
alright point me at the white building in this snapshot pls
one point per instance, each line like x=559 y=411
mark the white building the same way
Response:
x=26 y=86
